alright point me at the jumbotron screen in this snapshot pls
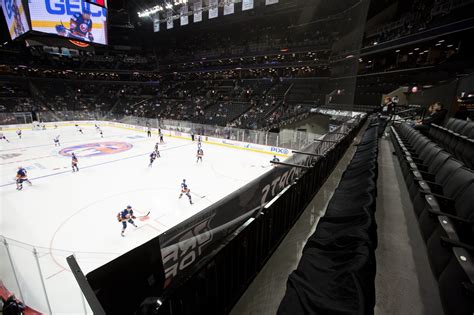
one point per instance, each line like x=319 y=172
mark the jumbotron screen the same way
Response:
x=75 y=19
x=14 y=13
x=102 y=3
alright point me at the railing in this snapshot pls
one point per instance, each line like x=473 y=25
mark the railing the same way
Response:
x=40 y=277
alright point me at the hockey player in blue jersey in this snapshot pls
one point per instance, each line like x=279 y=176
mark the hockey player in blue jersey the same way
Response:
x=152 y=158
x=185 y=190
x=2 y=137
x=125 y=216
x=21 y=176
x=81 y=26
x=275 y=159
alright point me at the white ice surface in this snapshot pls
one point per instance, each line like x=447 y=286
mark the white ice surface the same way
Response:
x=64 y=212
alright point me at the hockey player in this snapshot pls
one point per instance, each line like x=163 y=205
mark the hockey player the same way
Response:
x=18 y=132
x=101 y=133
x=125 y=216
x=275 y=159
x=74 y=161
x=161 y=138
x=148 y=132
x=79 y=129
x=56 y=141
x=2 y=137
x=152 y=158
x=157 y=151
x=185 y=190
x=55 y=126
x=200 y=154
x=80 y=26
x=199 y=141
x=97 y=128
x=21 y=176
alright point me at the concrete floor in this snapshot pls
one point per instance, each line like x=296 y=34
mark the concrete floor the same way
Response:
x=404 y=283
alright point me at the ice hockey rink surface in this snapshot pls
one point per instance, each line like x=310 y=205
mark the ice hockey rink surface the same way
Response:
x=64 y=212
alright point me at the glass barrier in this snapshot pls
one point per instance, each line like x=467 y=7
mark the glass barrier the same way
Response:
x=290 y=139
x=40 y=277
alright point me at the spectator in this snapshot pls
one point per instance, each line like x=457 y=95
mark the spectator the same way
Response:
x=12 y=306
x=437 y=117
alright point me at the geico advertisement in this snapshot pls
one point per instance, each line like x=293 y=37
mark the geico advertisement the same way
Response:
x=75 y=19
x=15 y=16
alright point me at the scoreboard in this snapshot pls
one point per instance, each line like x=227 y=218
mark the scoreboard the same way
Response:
x=78 y=20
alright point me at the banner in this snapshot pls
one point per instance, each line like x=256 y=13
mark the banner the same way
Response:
x=197 y=11
x=247 y=5
x=184 y=15
x=213 y=9
x=229 y=7
x=156 y=24
x=82 y=21
x=14 y=13
x=268 y=2
x=169 y=19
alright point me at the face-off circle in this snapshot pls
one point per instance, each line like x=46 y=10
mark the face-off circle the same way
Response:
x=96 y=149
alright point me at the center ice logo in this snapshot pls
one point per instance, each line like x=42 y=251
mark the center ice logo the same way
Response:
x=96 y=149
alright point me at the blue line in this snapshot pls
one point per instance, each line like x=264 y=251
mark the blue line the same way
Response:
x=108 y=162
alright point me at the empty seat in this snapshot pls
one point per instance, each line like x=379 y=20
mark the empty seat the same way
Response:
x=456 y=286
x=460 y=214
x=455 y=199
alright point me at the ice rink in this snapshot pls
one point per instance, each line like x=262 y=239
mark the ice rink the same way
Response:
x=65 y=212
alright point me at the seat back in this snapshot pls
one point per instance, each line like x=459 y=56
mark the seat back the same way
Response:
x=459 y=125
x=438 y=161
x=465 y=202
x=457 y=183
x=449 y=123
x=447 y=170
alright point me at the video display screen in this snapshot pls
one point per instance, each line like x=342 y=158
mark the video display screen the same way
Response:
x=75 y=19
x=15 y=16
x=102 y=3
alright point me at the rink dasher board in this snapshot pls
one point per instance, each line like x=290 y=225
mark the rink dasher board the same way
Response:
x=259 y=148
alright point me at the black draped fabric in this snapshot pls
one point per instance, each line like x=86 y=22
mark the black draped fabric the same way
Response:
x=336 y=273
